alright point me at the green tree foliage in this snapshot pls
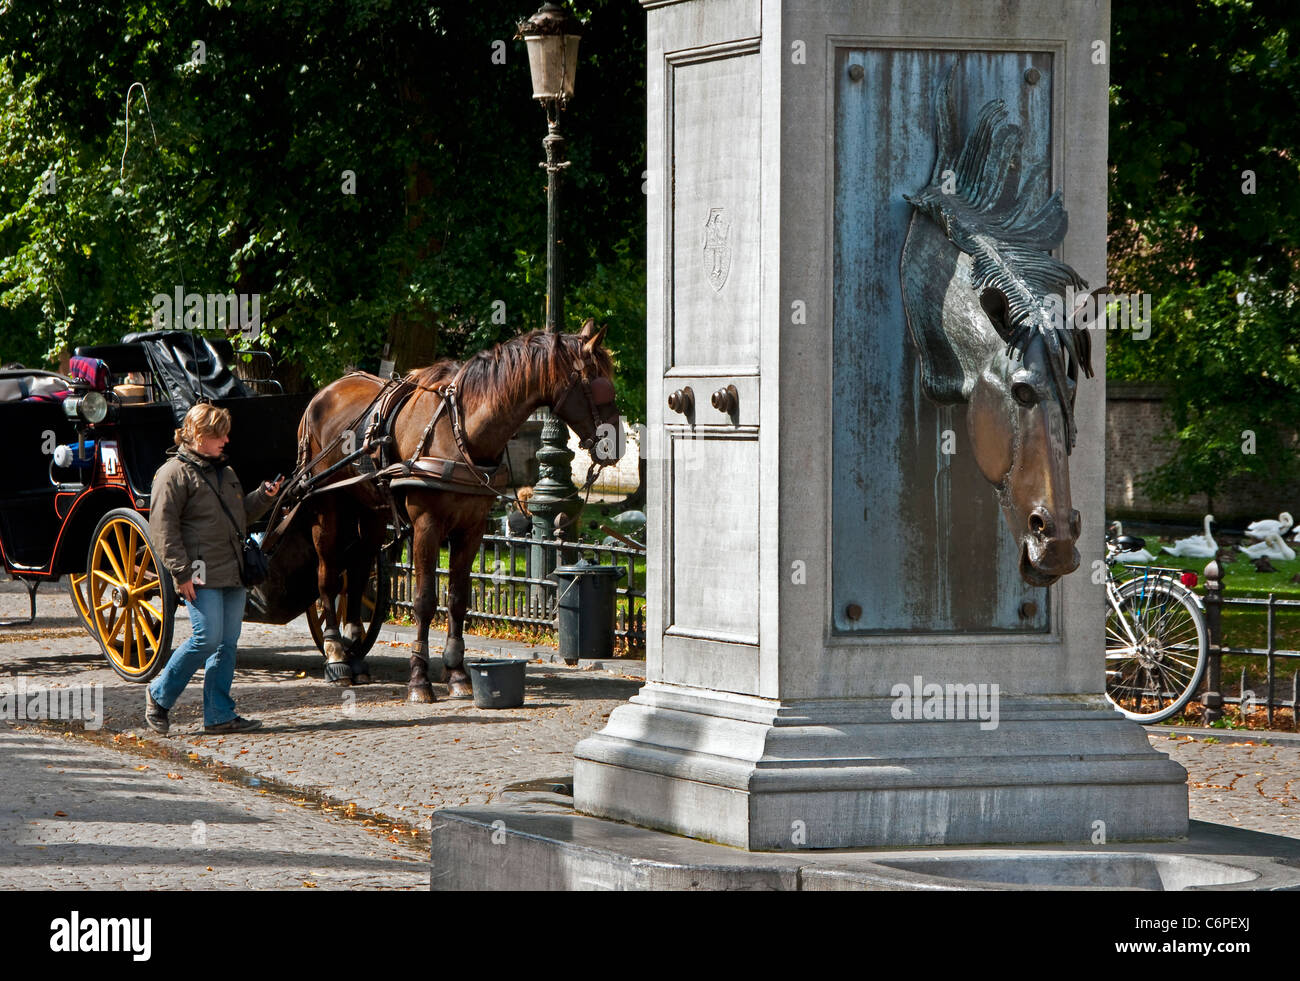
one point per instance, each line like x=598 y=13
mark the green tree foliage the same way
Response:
x=265 y=116
x=1204 y=209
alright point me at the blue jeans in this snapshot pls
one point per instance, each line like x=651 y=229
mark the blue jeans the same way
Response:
x=216 y=617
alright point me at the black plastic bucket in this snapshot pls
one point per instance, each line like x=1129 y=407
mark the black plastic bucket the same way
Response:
x=498 y=684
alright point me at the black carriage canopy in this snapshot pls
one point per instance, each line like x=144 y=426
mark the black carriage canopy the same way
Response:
x=184 y=365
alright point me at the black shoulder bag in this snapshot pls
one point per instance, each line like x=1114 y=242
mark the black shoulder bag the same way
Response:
x=254 y=568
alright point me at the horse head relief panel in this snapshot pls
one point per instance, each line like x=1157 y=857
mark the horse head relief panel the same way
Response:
x=956 y=356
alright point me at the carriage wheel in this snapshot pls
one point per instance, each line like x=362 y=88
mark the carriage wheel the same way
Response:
x=374 y=609
x=131 y=608
x=76 y=584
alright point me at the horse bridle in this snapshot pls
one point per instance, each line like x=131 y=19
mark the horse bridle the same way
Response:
x=578 y=377
x=450 y=396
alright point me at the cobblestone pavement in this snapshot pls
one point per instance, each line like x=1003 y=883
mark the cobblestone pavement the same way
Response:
x=367 y=746
x=80 y=816
x=1238 y=782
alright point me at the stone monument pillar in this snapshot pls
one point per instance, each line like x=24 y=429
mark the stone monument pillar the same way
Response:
x=844 y=645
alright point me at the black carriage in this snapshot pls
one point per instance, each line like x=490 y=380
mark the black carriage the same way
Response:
x=74 y=496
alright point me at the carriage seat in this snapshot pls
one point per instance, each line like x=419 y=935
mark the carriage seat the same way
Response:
x=189 y=366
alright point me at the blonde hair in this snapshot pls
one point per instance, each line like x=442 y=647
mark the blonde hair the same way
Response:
x=202 y=421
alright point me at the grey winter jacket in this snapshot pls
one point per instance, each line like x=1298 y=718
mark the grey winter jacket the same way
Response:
x=193 y=537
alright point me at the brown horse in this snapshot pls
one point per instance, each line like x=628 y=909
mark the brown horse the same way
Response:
x=459 y=412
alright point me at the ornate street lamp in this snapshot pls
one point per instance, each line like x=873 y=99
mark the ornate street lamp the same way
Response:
x=552 y=36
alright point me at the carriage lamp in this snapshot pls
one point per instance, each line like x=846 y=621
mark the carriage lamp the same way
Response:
x=551 y=36
x=91 y=407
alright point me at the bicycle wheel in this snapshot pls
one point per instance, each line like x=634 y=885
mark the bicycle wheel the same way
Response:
x=1156 y=648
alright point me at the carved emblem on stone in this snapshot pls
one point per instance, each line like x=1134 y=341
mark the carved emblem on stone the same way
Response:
x=717 y=250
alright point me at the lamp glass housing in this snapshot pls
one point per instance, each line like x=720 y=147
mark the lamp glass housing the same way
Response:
x=553 y=62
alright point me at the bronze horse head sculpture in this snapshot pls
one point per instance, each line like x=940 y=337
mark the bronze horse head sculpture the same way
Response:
x=992 y=316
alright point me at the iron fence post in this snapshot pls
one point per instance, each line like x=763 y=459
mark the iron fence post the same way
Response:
x=1212 y=699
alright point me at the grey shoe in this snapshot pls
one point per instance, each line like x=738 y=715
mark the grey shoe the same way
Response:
x=155 y=716
x=237 y=724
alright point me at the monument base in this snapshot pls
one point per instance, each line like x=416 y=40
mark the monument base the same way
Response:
x=538 y=843
x=848 y=773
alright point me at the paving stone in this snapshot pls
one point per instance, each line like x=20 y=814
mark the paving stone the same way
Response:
x=79 y=816
x=368 y=746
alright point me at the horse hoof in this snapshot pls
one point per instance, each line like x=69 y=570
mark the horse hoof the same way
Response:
x=341 y=682
x=361 y=679
x=422 y=696
x=461 y=689
x=338 y=672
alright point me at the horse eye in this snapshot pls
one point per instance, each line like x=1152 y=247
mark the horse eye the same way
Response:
x=1024 y=394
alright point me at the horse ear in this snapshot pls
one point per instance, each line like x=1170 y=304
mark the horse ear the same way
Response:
x=594 y=340
x=995 y=305
x=588 y=328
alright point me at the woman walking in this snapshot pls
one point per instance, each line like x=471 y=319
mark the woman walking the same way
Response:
x=200 y=543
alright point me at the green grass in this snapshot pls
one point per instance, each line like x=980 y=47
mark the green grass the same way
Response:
x=1239 y=577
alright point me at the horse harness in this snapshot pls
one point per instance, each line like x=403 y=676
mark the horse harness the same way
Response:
x=423 y=471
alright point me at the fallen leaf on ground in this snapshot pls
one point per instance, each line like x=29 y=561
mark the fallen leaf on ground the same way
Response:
x=308 y=884
x=143 y=766
x=174 y=776
x=60 y=814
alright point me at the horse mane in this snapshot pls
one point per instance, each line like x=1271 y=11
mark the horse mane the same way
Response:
x=987 y=216
x=500 y=372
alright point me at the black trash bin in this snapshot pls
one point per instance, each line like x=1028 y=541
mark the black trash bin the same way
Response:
x=586 y=609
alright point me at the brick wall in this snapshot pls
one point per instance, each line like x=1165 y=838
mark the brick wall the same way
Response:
x=1136 y=418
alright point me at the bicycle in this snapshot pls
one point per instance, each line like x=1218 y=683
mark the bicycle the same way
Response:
x=1156 y=642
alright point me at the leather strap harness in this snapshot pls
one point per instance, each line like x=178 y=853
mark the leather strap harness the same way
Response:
x=423 y=470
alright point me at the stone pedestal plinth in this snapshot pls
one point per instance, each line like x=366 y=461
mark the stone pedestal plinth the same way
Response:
x=826 y=545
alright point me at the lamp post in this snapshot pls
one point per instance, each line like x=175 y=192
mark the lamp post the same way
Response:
x=552 y=36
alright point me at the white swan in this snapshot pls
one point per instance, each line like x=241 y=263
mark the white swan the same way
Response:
x=1271 y=548
x=1140 y=557
x=1197 y=546
x=1262 y=529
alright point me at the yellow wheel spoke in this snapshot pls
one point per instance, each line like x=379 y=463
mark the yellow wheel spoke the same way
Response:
x=129 y=557
x=142 y=622
x=123 y=553
x=139 y=592
x=144 y=562
x=125 y=659
x=141 y=651
x=112 y=560
x=117 y=625
x=154 y=611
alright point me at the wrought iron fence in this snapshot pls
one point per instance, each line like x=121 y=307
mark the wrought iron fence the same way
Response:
x=1213 y=698
x=505 y=590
